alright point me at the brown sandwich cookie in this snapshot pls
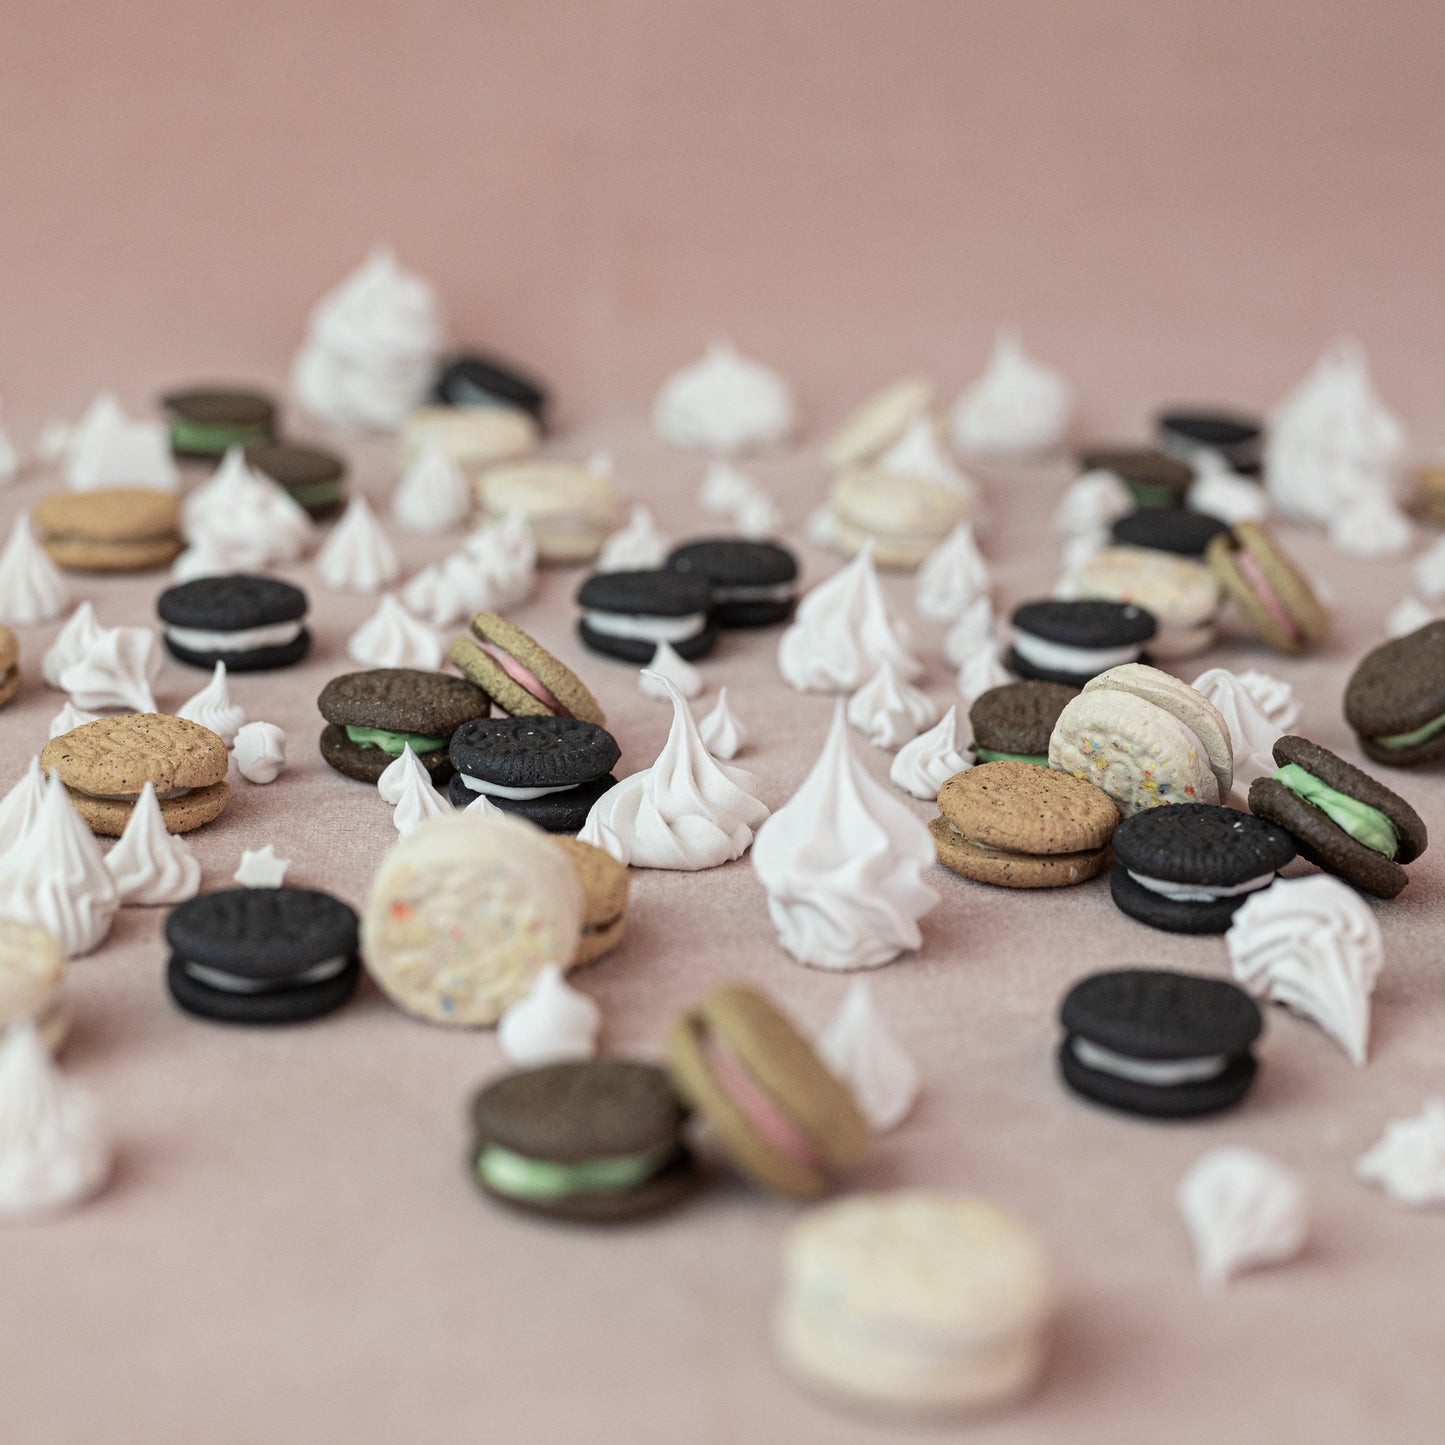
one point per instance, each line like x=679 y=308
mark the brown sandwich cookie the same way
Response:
x=9 y=665
x=1013 y=723
x=523 y=678
x=1395 y=699
x=106 y=764
x=604 y=885
x=1269 y=590
x=119 y=529
x=1016 y=825
x=315 y=477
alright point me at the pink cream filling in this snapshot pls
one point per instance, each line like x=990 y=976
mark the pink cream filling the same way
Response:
x=525 y=679
x=1268 y=598
x=776 y=1128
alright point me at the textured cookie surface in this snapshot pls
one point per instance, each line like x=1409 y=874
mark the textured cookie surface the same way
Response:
x=642 y=650
x=222 y=406
x=472 y=380
x=1156 y=480
x=1019 y=717
x=9 y=665
x=231 y=604
x=118 y=756
x=1396 y=689
x=1160 y=1014
x=488 y=629
x=1247 y=545
x=655 y=593
x=1197 y=843
x=564 y=812
x=1085 y=623
x=734 y=562
x=264 y=934
x=1178 y=591
x=1003 y=869
x=534 y=752
x=605 y=885
x=402 y=700
x=108 y=816
x=1027 y=809
x=1168 y=529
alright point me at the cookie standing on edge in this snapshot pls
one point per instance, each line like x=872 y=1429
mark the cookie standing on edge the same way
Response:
x=1013 y=723
x=1395 y=699
x=605 y=884
x=754 y=584
x=9 y=665
x=118 y=529
x=372 y=716
x=1269 y=590
x=207 y=421
x=627 y=614
x=262 y=955
x=519 y=674
x=1155 y=1042
x=1070 y=642
x=32 y=981
x=250 y=623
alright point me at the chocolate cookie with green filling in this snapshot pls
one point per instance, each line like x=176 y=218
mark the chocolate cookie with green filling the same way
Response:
x=598 y=1142
x=315 y=477
x=207 y=421
x=372 y=716
x=1395 y=699
x=1341 y=819
x=1013 y=723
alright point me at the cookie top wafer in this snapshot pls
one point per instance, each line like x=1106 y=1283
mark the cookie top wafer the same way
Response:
x=520 y=674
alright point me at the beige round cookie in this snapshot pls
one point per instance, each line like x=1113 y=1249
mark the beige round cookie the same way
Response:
x=906 y=517
x=474 y=436
x=108 y=816
x=570 y=508
x=32 y=981
x=1179 y=591
x=116 y=529
x=605 y=885
x=880 y=422
x=9 y=665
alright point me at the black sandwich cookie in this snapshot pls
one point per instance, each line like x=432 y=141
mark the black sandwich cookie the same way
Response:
x=1184 y=432
x=548 y=770
x=207 y=421
x=262 y=955
x=1168 y=529
x=315 y=478
x=472 y=380
x=1070 y=642
x=249 y=623
x=626 y=614
x=1155 y=1042
x=1188 y=868
x=1341 y=819
x=595 y=1143
x=1013 y=723
x=1153 y=479
x=754 y=584
x=372 y=717
x=1395 y=699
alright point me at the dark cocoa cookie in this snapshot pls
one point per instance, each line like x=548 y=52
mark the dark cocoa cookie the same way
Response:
x=250 y=623
x=1014 y=722
x=207 y=421
x=627 y=614
x=1395 y=699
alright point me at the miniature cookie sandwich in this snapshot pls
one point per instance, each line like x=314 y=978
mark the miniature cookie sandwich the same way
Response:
x=106 y=764
x=598 y=1142
x=1178 y=592
x=1188 y=869
x=627 y=614
x=1395 y=699
x=1341 y=819
x=570 y=508
x=1071 y=641
x=465 y=912
x=917 y=1302
x=605 y=886
x=472 y=380
x=475 y=437
x=315 y=477
x=32 y=981
x=905 y=516
x=206 y=422
x=1155 y=1042
x=1185 y=432
x=1267 y=587
x=754 y=584
x=880 y=421
x=9 y=665
x=372 y=717
x=1168 y=529
x=1013 y=723
x=519 y=674
x=1015 y=825
x=250 y=623
x=262 y=955
x=1153 y=479
x=548 y=770
x=119 y=529
x=778 y=1112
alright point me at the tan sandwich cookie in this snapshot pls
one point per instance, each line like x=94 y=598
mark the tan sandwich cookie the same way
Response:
x=880 y=422
x=604 y=885
x=570 y=508
x=905 y=516
x=519 y=674
x=119 y=529
x=9 y=665
x=474 y=436
x=105 y=765
x=1016 y=825
x=1270 y=591
x=32 y=981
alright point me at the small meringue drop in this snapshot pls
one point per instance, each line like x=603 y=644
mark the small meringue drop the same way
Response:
x=212 y=708
x=888 y=711
x=724 y=403
x=1243 y=1210
x=553 y=1024
x=925 y=764
x=1251 y=734
x=918 y=453
x=357 y=556
x=72 y=642
x=117 y=670
x=418 y=800
x=1274 y=696
x=725 y=489
x=1018 y=408
x=1407 y=616
x=1408 y=1160
x=261 y=868
x=667 y=666
x=758 y=517
x=639 y=546
x=392 y=637
x=151 y=865
x=974 y=629
x=31 y=587
x=433 y=494
x=392 y=782
x=952 y=577
x=722 y=733
x=260 y=752
x=1092 y=503
x=982 y=671
x=858 y=1048
x=19 y=808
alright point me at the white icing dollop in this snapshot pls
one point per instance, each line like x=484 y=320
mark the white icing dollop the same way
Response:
x=392 y=637
x=1408 y=615
x=1430 y=572
x=758 y=517
x=447 y=591
x=1371 y=527
x=244 y=520
x=975 y=628
x=686 y=812
x=1313 y=945
x=416 y=797
x=843 y=863
x=1243 y=1210
x=31 y=587
x=205 y=559
x=1092 y=503
x=506 y=551
x=667 y=667
x=888 y=711
x=391 y=785
x=151 y=865
x=600 y=835
x=553 y=1023
x=1017 y=408
x=69 y=718
x=637 y=547
x=822 y=527
x=724 y=403
x=725 y=489
x=357 y=556
x=842 y=633
x=212 y=707
x=918 y=453
x=952 y=577
x=1075 y=554
x=924 y=765
x=1274 y=696
x=1219 y=491
x=482 y=804
x=19 y=809
x=1251 y=734
x=117 y=670
x=261 y=868
x=371 y=347
x=259 y=749
x=72 y=642
x=58 y=881
x=106 y=448
x=53 y=1150
x=981 y=671
x=858 y=1048
x=722 y=733
x=1408 y=1160
x=433 y=494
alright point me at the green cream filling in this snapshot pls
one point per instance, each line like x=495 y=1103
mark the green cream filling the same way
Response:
x=393 y=743
x=1363 y=823
x=1413 y=739
x=200 y=436
x=314 y=494
x=519 y=1177
x=1151 y=494
x=988 y=755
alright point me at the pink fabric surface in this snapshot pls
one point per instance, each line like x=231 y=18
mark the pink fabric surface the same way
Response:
x=1175 y=202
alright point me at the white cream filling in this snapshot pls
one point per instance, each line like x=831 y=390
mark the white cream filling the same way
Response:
x=218 y=978
x=1162 y=1072
x=650 y=629
x=1061 y=657
x=761 y=592
x=1200 y=892
x=520 y=795
x=198 y=639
